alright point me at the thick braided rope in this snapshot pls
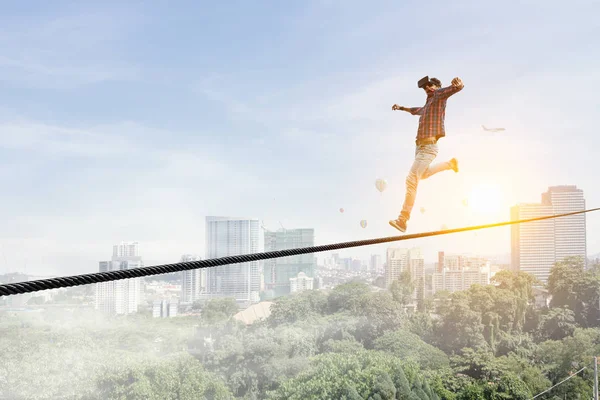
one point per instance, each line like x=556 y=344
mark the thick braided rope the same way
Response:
x=67 y=281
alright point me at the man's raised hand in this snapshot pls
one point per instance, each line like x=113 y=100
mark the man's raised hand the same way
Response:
x=457 y=82
x=397 y=107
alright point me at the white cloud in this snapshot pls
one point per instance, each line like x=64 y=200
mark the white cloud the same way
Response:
x=68 y=50
x=128 y=182
x=45 y=138
x=50 y=75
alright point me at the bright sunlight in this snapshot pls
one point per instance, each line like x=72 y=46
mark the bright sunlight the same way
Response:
x=485 y=199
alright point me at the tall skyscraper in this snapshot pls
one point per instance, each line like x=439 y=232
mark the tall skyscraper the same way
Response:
x=193 y=281
x=229 y=237
x=532 y=243
x=569 y=232
x=537 y=246
x=121 y=296
x=279 y=271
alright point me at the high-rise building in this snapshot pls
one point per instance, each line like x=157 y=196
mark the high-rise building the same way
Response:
x=193 y=281
x=301 y=282
x=330 y=262
x=126 y=250
x=376 y=265
x=532 y=243
x=453 y=261
x=399 y=260
x=417 y=268
x=537 y=246
x=279 y=271
x=164 y=308
x=459 y=279
x=457 y=262
x=230 y=237
x=569 y=232
x=121 y=296
x=459 y=271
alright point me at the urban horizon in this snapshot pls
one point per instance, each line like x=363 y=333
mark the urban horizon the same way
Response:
x=430 y=256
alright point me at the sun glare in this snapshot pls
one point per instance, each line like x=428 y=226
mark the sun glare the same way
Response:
x=485 y=199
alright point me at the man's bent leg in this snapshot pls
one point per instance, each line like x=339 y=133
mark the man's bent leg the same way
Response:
x=425 y=155
x=435 y=168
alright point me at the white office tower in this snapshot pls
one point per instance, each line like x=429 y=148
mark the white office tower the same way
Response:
x=120 y=296
x=399 y=260
x=537 y=246
x=193 y=280
x=569 y=232
x=229 y=237
x=532 y=243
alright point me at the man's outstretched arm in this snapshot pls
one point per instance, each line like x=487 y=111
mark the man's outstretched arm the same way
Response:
x=412 y=110
x=456 y=86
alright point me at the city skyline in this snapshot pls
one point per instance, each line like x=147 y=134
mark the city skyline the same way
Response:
x=430 y=254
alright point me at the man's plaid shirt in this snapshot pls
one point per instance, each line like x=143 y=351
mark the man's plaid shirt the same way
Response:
x=431 y=122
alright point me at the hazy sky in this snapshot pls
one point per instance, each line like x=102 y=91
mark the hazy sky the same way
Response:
x=134 y=122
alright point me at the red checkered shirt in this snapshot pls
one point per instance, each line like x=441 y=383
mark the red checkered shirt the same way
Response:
x=432 y=114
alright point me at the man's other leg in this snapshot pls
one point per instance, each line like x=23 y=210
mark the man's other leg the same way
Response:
x=424 y=157
x=439 y=167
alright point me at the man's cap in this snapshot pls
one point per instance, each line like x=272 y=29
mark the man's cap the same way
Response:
x=422 y=82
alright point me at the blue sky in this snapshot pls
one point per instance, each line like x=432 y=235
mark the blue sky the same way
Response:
x=134 y=121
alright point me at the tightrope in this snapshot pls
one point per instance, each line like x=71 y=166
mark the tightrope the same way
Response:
x=76 y=280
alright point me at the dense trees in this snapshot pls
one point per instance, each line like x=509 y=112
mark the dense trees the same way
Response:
x=178 y=377
x=353 y=342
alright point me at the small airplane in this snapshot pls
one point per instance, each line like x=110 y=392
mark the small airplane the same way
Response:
x=492 y=129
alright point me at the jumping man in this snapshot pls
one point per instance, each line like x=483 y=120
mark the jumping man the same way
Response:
x=431 y=129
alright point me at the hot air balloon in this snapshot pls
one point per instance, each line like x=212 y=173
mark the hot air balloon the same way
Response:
x=363 y=223
x=381 y=184
x=342 y=210
x=422 y=210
